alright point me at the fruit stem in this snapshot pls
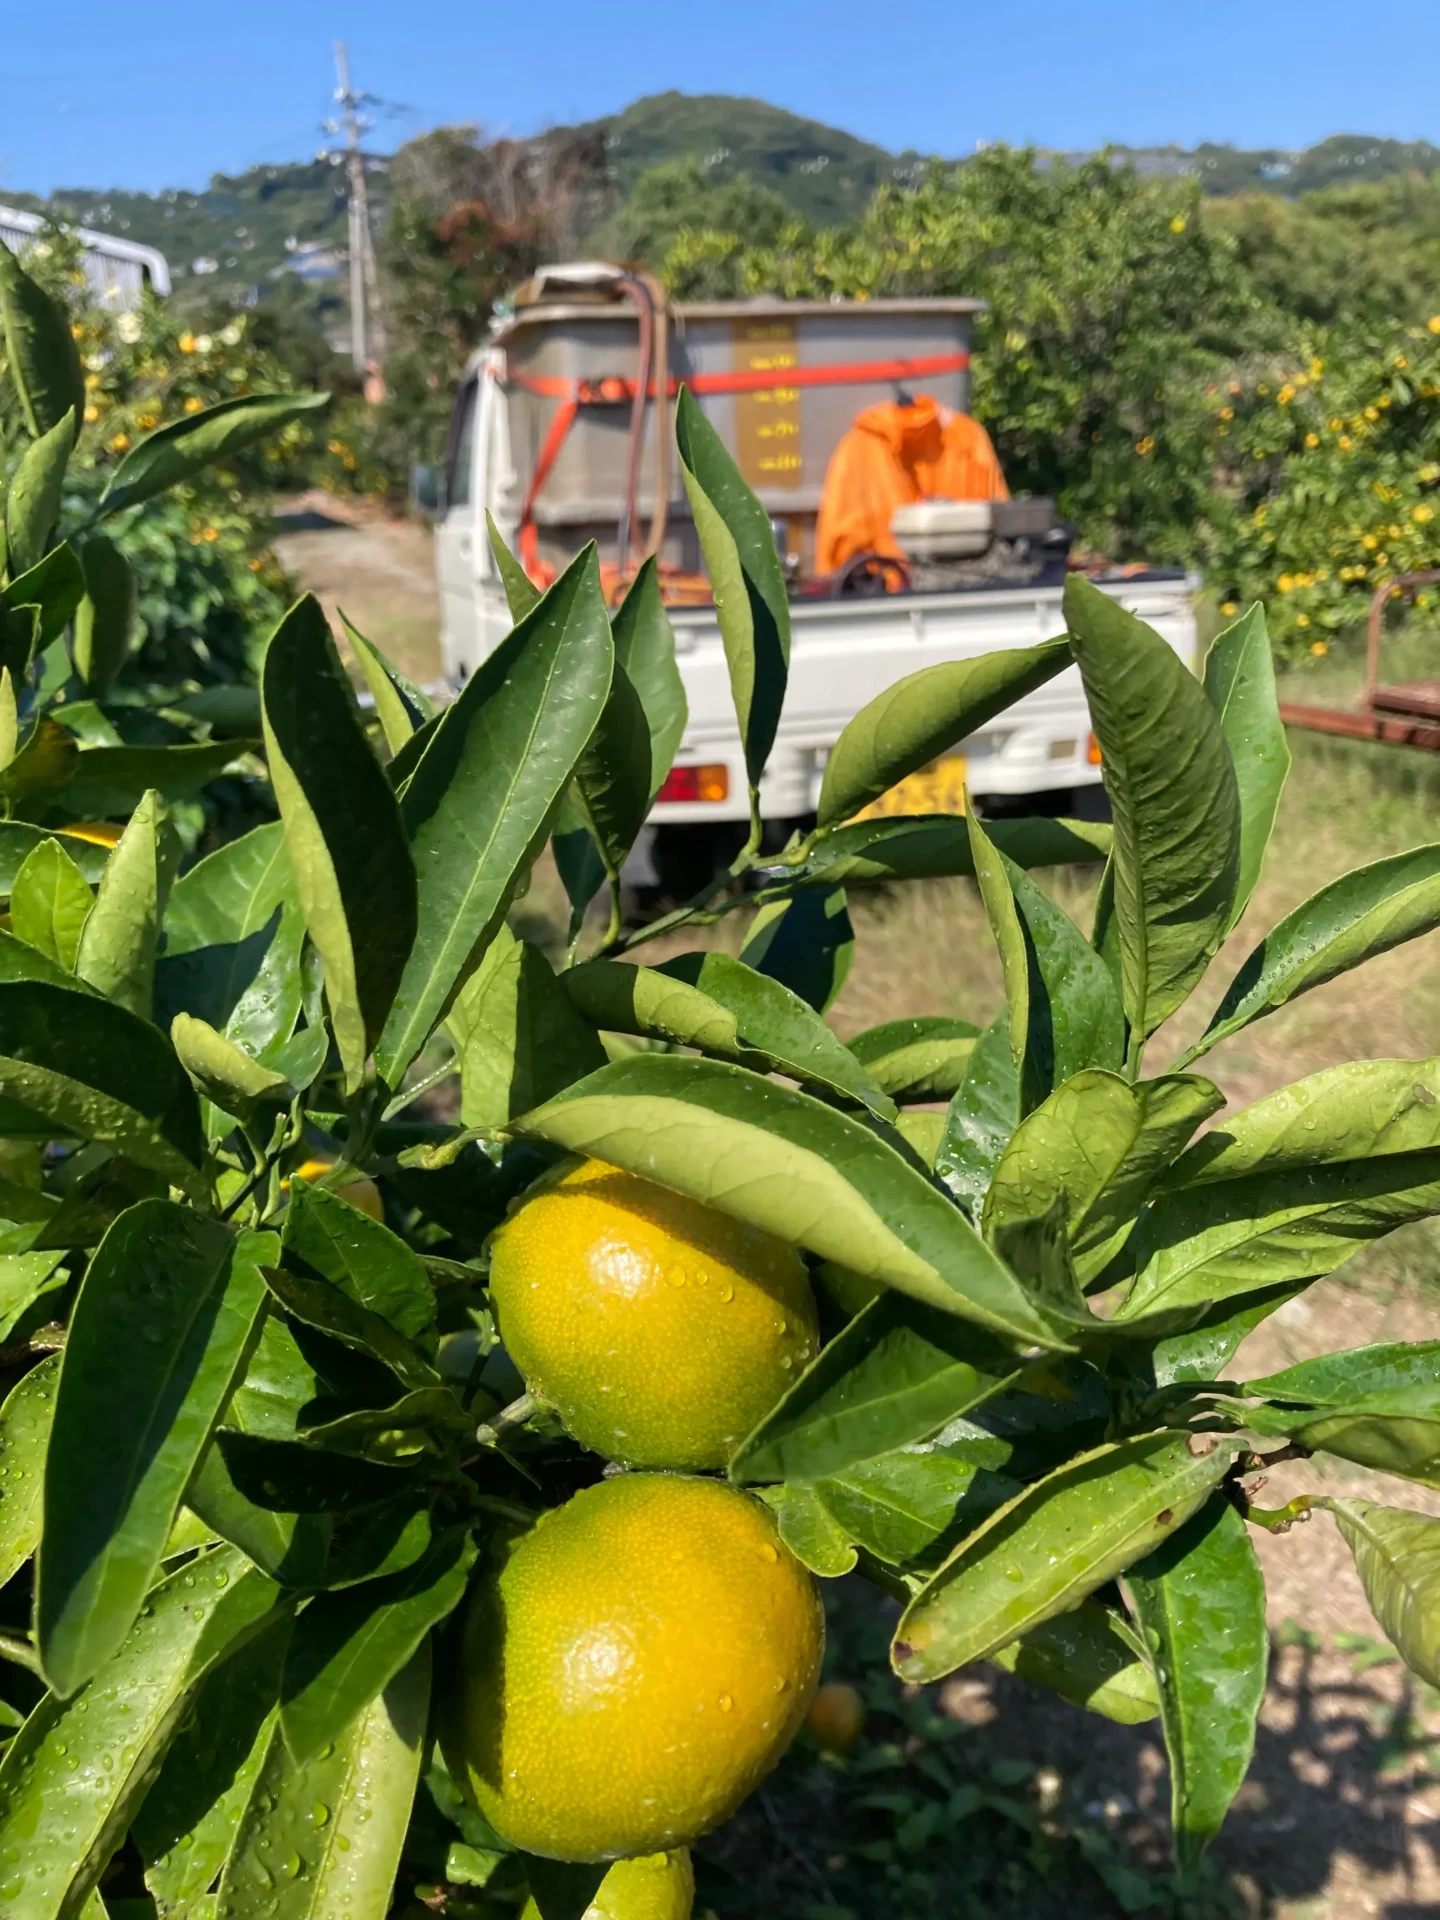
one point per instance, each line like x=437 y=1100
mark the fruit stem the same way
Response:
x=489 y=1432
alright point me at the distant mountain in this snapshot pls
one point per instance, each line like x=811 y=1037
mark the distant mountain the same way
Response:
x=240 y=235
x=825 y=174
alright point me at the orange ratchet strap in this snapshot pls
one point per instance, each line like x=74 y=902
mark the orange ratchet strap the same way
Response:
x=615 y=390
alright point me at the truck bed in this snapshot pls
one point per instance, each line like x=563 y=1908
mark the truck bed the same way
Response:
x=844 y=652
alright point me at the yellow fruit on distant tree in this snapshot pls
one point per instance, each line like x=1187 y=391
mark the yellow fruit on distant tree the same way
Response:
x=836 y=1717
x=358 y=1190
x=637 y=1664
x=661 y=1886
x=662 y=1330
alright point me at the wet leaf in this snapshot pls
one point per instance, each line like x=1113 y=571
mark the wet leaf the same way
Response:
x=1054 y=1544
x=24 y=1435
x=1200 y=1601
x=1081 y=1656
x=1397 y=1555
x=1240 y=686
x=180 y=1296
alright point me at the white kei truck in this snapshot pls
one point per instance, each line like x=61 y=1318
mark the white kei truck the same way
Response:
x=562 y=430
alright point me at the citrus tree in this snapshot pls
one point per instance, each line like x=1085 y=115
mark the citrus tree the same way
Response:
x=397 y=1508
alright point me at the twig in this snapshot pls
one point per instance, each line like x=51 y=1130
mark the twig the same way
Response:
x=20 y=1651
x=489 y=1432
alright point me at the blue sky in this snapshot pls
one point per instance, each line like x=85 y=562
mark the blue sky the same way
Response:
x=149 y=97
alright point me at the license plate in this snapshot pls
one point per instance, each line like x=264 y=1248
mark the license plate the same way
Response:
x=938 y=788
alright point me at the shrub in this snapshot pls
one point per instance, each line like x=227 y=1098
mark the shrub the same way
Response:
x=260 y=1443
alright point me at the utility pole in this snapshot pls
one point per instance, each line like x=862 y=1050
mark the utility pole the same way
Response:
x=365 y=328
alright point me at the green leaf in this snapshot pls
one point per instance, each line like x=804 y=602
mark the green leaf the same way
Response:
x=9 y=719
x=361 y=1257
x=1291 y=1186
x=937 y=847
x=291 y=1548
x=895 y=1375
x=1231 y=1238
x=95 y=1071
x=517 y=1033
x=612 y=775
x=796 y=1168
x=746 y=578
x=55 y=586
x=323 y=1837
x=1395 y=1433
x=287 y=1478
x=1397 y=1555
x=234 y=933
x=121 y=935
x=32 y=504
x=106 y=615
x=1081 y=1656
x=126 y=1440
x=400 y=706
x=806 y=943
x=24 y=1435
x=1355 y=1373
x=1211 y=1682
x=1240 y=686
x=1052 y=1545
x=920 y=716
x=48 y=757
x=1364 y=913
x=1102 y=1143
x=347 y=1647
x=63 y=1810
x=1360 y=1110
x=809 y=1530
x=421 y=1427
x=333 y=1309
x=185 y=1826
x=727 y=1008
x=50 y=903
x=352 y=868
x=479 y=804
x=110 y=780
x=1064 y=1013
x=982 y=1116
x=41 y=359
x=921 y=1059
x=1173 y=793
x=906 y=1506
x=184 y=448
x=220 y=1071
x=645 y=650
x=522 y=596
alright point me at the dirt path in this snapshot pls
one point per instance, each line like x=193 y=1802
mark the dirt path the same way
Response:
x=379 y=570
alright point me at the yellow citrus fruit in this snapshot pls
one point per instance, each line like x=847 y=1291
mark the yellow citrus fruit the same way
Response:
x=661 y=1886
x=102 y=833
x=662 y=1330
x=638 y=1663
x=836 y=1717
x=359 y=1191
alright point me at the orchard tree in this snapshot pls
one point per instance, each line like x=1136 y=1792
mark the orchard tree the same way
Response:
x=394 y=1504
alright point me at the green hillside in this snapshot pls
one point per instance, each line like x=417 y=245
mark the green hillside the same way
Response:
x=238 y=236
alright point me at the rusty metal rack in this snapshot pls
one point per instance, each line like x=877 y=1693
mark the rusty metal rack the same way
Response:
x=1406 y=714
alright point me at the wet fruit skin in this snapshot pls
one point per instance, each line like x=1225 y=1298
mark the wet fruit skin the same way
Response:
x=836 y=1717
x=635 y=1666
x=661 y=1886
x=660 y=1329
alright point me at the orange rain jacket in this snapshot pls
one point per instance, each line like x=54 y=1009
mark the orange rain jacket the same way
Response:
x=893 y=455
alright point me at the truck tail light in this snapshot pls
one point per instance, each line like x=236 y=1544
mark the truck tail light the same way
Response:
x=1094 y=755
x=696 y=783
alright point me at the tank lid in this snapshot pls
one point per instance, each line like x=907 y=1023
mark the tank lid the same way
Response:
x=549 y=313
